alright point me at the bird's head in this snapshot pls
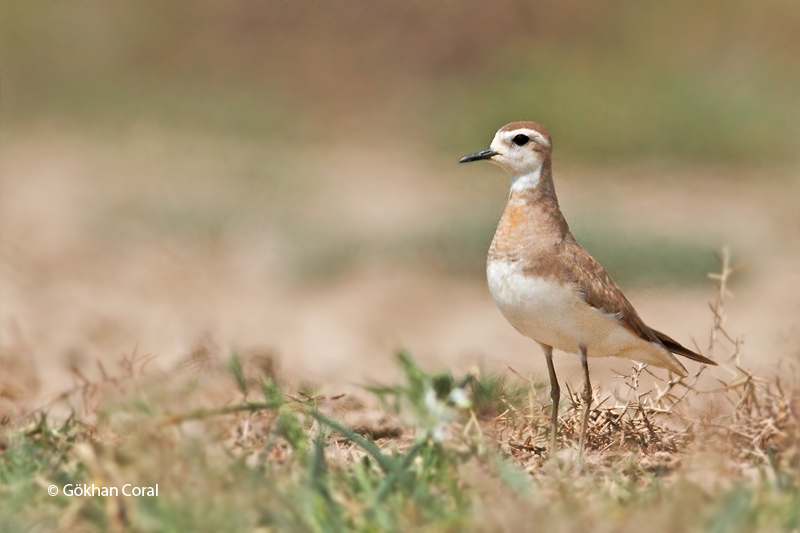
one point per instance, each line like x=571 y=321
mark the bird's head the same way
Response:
x=519 y=147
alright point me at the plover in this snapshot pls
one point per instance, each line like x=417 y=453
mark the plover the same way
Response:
x=547 y=286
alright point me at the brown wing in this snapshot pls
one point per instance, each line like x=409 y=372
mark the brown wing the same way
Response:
x=600 y=291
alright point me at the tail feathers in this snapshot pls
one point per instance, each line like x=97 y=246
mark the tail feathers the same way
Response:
x=675 y=347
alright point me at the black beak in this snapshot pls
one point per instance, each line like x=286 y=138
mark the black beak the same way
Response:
x=477 y=156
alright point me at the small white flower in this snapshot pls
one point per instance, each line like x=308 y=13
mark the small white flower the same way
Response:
x=459 y=398
x=436 y=416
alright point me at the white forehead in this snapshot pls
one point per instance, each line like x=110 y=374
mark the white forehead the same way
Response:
x=535 y=136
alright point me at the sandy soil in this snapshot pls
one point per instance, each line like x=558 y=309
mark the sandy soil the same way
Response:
x=81 y=281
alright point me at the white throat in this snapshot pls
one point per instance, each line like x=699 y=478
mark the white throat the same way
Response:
x=528 y=180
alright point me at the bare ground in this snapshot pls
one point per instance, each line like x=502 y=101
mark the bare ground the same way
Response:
x=154 y=244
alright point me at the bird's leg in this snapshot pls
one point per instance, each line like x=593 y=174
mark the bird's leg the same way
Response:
x=587 y=399
x=555 y=395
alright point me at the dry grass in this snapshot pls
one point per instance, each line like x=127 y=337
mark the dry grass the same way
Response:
x=437 y=451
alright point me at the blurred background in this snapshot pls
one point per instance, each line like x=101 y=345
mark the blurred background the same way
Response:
x=280 y=177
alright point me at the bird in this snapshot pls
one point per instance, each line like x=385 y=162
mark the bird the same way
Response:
x=548 y=287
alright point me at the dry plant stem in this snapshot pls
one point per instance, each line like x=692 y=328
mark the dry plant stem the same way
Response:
x=555 y=395
x=208 y=413
x=717 y=308
x=587 y=400
x=133 y=366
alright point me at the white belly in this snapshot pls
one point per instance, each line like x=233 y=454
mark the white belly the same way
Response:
x=556 y=315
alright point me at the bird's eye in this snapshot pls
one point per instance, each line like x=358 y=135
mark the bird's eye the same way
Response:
x=520 y=140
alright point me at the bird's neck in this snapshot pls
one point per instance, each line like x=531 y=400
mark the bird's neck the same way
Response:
x=539 y=178
x=532 y=222
x=536 y=190
x=527 y=180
